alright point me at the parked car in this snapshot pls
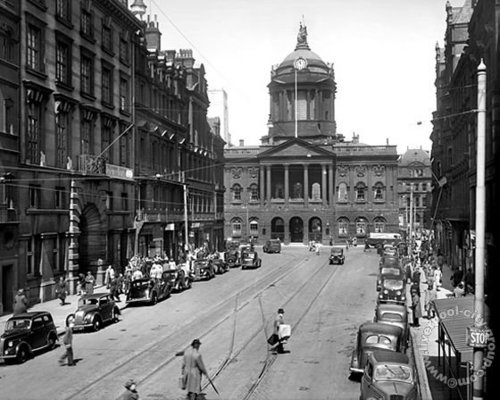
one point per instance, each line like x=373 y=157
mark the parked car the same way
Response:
x=150 y=290
x=392 y=289
x=387 y=376
x=272 y=246
x=203 y=269
x=94 y=310
x=394 y=314
x=180 y=277
x=220 y=266
x=232 y=258
x=26 y=334
x=374 y=336
x=390 y=250
x=337 y=255
x=392 y=261
x=250 y=259
x=385 y=270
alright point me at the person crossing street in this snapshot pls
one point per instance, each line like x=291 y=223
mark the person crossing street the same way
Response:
x=192 y=370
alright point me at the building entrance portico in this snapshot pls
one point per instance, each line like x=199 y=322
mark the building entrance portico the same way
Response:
x=315 y=230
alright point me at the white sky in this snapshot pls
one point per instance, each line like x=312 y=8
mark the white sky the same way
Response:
x=382 y=50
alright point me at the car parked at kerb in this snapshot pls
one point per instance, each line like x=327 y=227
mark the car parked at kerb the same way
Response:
x=25 y=334
x=203 y=270
x=250 y=259
x=374 y=336
x=180 y=277
x=388 y=269
x=272 y=246
x=94 y=310
x=393 y=314
x=151 y=290
x=392 y=289
x=388 y=376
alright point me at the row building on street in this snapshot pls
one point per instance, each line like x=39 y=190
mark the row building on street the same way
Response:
x=95 y=117
x=305 y=181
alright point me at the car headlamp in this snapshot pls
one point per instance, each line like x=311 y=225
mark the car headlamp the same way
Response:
x=398 y=292
x=386 y=291
x=10 y=344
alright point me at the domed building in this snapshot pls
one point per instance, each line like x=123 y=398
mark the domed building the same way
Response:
x=305 y=181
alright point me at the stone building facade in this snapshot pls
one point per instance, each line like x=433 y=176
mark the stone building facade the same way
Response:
x=87 y=176
x=414 y=191
x=306 y=182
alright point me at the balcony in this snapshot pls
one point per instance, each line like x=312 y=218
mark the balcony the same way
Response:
x=91 y=164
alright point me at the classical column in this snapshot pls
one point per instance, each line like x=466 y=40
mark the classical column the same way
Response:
x=306 y=186
x=268 y=185
x=330 y=184
x=287 y=186
x=262 y=186
x=323 y=185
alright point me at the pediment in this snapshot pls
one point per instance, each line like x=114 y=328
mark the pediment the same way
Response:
x=296 y=148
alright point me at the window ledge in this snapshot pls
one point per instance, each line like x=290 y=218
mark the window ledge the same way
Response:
x=124 y=112
x=65 y=86
x=67 y=23
x=37 y=73
x=110 y=52
x=108 y=105
x=88 y=96
x=89 y=38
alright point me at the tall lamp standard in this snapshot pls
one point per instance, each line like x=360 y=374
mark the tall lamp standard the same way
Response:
x=300 y=63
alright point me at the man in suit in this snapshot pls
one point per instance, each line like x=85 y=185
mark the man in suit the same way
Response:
x=279 y=320
x=192 y=370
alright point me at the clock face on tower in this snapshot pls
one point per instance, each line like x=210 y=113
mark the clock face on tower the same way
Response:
x=300 y=63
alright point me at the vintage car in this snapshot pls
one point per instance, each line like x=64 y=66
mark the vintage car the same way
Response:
x=220 y=266
x=388 y=270
x=203 y=269
x=387 y=376
x=250 y=259
x=374 y=336
x=180 y=277
x=232 y=258
x=94 y=310
x=337 y=255
x=394 y=314
x=150 y=290
x=26 y=334
x=272 y=246
x=392 y=261
x=390 y=250
x=392 y=289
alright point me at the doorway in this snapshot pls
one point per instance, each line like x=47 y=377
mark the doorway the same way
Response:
x=296 y=230
x=6 y=288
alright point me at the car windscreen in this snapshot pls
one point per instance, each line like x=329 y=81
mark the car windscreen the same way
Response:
x=377 y=339
x=390 y=372
x=388 y=316
x=250 y=255
x=18 y=324
x=390 y=271
x=393 y=284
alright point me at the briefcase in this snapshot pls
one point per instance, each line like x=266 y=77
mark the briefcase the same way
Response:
x=273 y=339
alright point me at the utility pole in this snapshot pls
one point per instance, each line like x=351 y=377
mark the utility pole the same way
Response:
x=478 y=333
x=186 y=221
x=411 y=217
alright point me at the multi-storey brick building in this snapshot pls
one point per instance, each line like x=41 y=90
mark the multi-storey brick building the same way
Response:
x=414 y=186
x=305 y=182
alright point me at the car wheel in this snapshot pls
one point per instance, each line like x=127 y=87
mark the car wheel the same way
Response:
x=116 y=315
x=70 y=316
x=96 y=323
x=23 y=355
x=187 y=283
x=51 y=340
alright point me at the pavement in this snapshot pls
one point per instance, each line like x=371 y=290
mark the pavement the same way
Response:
x=58 y=311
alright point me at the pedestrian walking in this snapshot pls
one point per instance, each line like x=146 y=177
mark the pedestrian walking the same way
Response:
x=317 y=248
x=109 y=275
x=114 y=292
x=80 y=284
x=20 y=302
x=89 y=283
x=438 y=278
x=68 y=344
x=131 y=391
x=192 y=370
x=430 y=296
x=416 y=307
x=61 y=290
x=278 y=321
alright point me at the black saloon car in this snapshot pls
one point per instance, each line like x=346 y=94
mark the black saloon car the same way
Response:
x=203 y=269
x=150 y=290
x=25 y=334
x=337 y=256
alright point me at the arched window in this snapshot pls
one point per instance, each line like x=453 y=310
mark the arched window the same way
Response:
x=360 y=192
x=254 y=227
x=342 y=192
x=236 y=189
x=361 y=226
x=379 y=224
x=254 y=192
x=378 y=191
x=343 y=227
x=236 y=227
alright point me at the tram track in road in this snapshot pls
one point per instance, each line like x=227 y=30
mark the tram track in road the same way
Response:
x=158 y=347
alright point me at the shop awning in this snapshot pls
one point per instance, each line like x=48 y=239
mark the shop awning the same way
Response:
x=455 y=315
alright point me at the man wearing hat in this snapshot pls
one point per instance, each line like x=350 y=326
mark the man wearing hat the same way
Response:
x=131 y=393
x=192 y=369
